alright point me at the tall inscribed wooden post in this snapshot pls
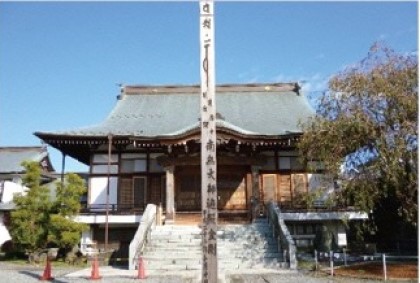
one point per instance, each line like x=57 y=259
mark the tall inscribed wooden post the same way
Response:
x=208 y=143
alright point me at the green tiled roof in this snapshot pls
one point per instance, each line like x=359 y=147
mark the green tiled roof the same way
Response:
x=168 y=111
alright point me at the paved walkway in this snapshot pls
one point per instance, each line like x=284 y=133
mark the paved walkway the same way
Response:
x=111 y=274
x=10 y=273
x=244 y=276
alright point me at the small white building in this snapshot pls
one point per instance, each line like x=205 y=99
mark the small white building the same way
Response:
x=7 y=190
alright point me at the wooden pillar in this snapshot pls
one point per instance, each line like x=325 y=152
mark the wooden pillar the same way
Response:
x=170 y=195
x=257 y=198
x=208 y=143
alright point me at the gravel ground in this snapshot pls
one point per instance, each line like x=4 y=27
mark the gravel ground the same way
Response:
x=26 y=274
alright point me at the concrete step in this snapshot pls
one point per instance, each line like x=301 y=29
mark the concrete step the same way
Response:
x=184 y=265
x=243 y=263
x=249 y=227
x=250 y=242
x=177 y=228
x=258 y=246
x=259 y=260
x=187 y=241
x=246 y=238
x=228 y=265
x=252 y=247
x=174 y=258
x=175 y=246
x=268 y=243
x=168 y=251
x=246 y=230
x=247 y=253
x=182 y=235
x=173 y=267
x=178 y=232
x=248 y=265
x=173 y=254
x=267 y=254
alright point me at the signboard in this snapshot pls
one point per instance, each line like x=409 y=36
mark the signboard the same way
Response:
x=208 y=143
x=342 y=239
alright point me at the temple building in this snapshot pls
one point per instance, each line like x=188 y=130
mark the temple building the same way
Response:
x=148 y=151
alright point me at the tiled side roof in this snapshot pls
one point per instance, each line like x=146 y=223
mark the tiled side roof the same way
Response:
x=12 y=157
x=159 y=112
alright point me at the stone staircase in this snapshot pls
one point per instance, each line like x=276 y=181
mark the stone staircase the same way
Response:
x=173 y=248
x=176 y=248
x=248 y=246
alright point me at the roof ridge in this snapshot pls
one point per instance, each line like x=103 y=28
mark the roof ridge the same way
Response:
x=251 y=87
x=21 y=148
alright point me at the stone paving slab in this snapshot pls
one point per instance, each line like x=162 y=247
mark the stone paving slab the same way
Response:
x=111 y=273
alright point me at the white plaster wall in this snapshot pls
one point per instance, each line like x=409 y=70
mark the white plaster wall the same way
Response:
x=4 y=233
x=112 y=219
x=10 y=189
x=97 y=191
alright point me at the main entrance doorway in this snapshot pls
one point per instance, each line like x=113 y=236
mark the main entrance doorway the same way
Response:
x=187 y=189
x=231 y=186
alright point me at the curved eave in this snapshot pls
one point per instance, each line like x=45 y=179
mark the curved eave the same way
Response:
x=221 y=126
x=80 y=146
x=180 y=135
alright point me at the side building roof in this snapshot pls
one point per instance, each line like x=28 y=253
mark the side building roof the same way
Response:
x=11 y=158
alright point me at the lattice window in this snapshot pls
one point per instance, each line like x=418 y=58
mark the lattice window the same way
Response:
x=126 y=191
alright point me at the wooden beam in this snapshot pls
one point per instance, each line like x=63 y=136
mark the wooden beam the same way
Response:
x=257 y=160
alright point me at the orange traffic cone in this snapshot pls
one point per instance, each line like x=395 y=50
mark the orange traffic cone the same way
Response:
x=47 y=272
x=95 y=269
x=141 y=274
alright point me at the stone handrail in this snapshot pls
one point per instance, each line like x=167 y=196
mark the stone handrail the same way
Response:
x=282 y=233
x=142 y=235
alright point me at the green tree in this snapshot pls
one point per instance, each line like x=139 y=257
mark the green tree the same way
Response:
x=30 y=220
x=38 y=220
x=63 y=231
x=68 y=195
x=365 y=132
